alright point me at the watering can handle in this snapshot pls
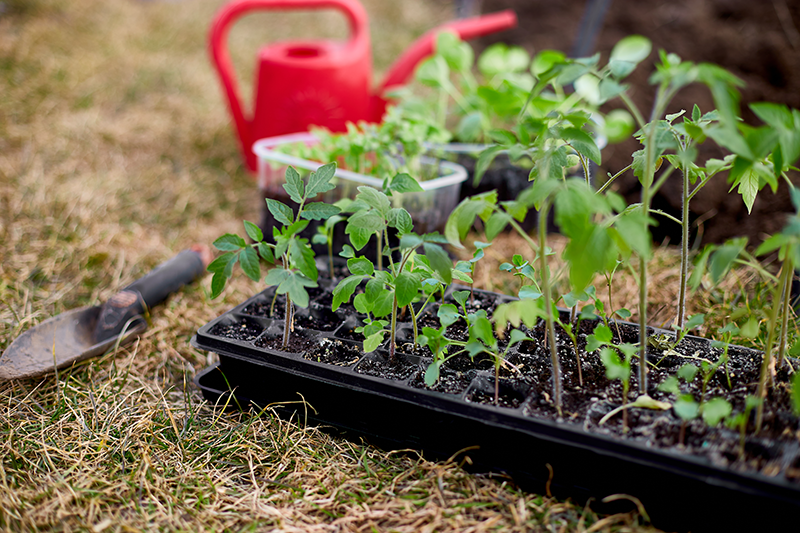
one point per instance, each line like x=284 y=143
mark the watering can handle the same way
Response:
x=466 y=29
x=229 y=13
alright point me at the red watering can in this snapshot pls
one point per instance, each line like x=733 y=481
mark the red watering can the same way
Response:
x=321 y=82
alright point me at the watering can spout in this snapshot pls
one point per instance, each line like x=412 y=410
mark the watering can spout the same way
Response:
x=404 y=66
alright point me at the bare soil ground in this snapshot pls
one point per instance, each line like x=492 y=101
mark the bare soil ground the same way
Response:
x=757 y=41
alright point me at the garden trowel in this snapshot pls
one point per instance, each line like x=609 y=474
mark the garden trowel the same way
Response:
x=87 y=332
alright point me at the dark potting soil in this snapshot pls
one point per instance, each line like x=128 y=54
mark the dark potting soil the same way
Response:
x=509 y=394
x=244 y=329
x=334 y=352
x=775 y=451
x=450 y=381
x=297 y=343
x=380 y=366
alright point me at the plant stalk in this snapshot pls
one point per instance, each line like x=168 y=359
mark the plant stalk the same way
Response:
x=787 y=296
x=551 y=330
x=287 y=321
x=681 y=319
x=765 y=376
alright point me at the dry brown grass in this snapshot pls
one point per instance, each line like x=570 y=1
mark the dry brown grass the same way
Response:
x=116 y=152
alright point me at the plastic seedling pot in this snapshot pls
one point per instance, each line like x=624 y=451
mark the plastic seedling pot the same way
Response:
x=429 y=209
x=367 y=396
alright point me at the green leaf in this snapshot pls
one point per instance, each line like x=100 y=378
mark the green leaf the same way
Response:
x=631 y=227
x=319 y=211
x=344 y=290
x=529 y=292
x=750 y=328
x=627 y=53
x=230 y=243
x=695 y=321
x=360 y=266
x=715 y=410
x=294 y=186
x=400 y=219
x=248 y=258
x=383 y=304
x=363 y=225
x=432 y=374
x=583 y=143
x=670 y=384
x=217 y=284
x=688 y=372
x=496 y=224
x=265 y=252
x=302 y=257
x=433 y=72
x=319 y=181
x=686 y=408
x=282 y=212
x=482 y=329
x=461 y=297
x=440 y=261
x=253 y=231
x=616 y=368
x=374 y=198
x=746 y=177
x=404 y=183
x=407 y=287
x=220 y=263
x=448 y=314
x=276 y=276
x=372 y=342
x=295 y=286
x=470 y=127
x=603 y=333
x=723 y=258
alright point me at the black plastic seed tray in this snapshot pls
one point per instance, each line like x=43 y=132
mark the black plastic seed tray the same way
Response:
x=393 y=410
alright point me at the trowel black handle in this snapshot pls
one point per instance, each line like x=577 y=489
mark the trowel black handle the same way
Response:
x=149 y=291
x=169 y=277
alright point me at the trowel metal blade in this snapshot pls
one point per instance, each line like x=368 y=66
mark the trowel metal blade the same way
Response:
x=59 y=342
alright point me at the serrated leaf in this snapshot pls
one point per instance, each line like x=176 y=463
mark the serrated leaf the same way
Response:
x=302 y=257
x=583 y=143
x=440 y=261
x=294 y=185
x=248 y=258
x=319 y=211
x=265 y=252
x=218 y=281
x=400 y=219
x=375 y=199
x=295 y=286
x=319 y=181
x=220 y=263
x=407 y=287
x=282 y=212
x=360 y=266
x=404 y=183
x=230 y=243
x=344 y=290
x=276 y=276
x=253 y=231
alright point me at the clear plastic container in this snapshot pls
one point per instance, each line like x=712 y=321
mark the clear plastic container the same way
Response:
x=429 y=208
